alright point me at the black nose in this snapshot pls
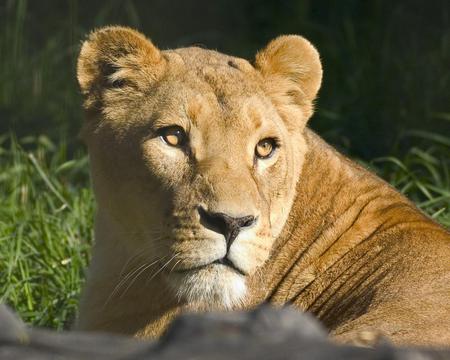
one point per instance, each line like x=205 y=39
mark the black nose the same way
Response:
x=225 y=224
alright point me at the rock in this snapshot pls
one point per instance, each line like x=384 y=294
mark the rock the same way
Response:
x=265 y=333
x=12 y=329
x=265 y=323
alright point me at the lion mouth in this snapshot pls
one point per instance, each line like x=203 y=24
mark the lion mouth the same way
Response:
x=223 y=261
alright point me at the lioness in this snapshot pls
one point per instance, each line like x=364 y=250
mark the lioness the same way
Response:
x=214 y=195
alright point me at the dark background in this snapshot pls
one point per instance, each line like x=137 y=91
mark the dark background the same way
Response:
x=386 y=63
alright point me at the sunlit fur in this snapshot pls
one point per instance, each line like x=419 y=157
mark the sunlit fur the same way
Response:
x=330 y=237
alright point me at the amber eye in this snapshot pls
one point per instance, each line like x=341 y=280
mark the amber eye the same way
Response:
x=265 y=148
x=173 y=136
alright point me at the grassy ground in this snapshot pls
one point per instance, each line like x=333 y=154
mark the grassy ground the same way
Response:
x=45 y=229
x=47 y=212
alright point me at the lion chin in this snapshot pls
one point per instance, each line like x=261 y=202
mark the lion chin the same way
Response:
x=213 y=287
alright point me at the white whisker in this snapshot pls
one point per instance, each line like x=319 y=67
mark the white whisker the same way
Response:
x=162 y=268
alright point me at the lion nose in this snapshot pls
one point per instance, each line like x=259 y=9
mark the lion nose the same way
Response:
x=224 y=224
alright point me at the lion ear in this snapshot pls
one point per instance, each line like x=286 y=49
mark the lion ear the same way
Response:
x=292 y=71
x=116 y=57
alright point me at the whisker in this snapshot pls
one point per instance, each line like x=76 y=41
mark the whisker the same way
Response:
x=139 y=270
x=131 y=273
x=123 y=280
x=162 y=267
x=136 y=277
x=173 y=267
x=140 y=254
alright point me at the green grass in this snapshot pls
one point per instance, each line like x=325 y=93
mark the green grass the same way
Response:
x=47 y=212
x=45 y=229
x=423 y=174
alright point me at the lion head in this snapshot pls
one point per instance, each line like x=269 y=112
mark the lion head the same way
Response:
x=195 y=155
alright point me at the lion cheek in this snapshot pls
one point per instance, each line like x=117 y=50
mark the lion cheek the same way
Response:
x=248 y=257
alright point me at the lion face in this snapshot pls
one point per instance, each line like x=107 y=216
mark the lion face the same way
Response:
x=195 y=155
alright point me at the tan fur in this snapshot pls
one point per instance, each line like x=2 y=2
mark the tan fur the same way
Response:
x=331 y=238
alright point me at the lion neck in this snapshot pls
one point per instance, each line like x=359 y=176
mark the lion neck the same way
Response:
x=330 y=228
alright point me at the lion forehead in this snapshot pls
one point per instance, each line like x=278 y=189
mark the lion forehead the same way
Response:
x=225 y=76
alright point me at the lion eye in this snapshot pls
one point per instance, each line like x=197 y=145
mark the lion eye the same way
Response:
x=173 y=136
x=265 y=148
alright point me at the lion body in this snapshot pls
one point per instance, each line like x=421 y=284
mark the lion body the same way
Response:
x=331 y=238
